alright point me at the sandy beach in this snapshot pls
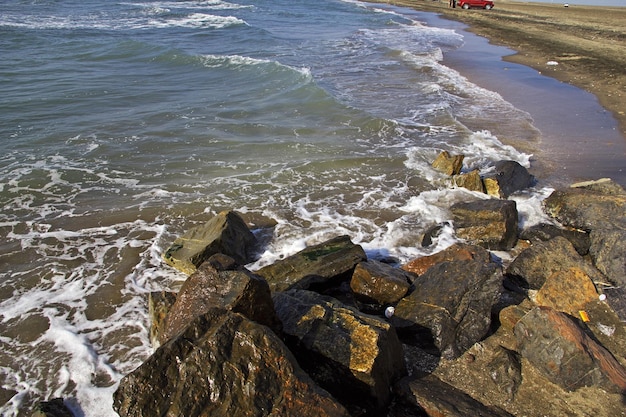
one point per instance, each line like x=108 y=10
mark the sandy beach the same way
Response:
x=587 y=42
x=583 y=46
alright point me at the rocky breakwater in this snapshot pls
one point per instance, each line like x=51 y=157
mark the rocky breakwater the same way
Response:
x=329 y=332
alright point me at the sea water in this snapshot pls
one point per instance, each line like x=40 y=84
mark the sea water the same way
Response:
x=125 y=123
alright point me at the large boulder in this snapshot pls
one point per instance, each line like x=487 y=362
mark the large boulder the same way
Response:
x=355 y=356
x=507 y=178
x=225 y=233
x=223 y=365
x=377 y=282
x=535 y=264
x=608 y=251
x=53 y=408
x=560 y=348
x=433 y=397
x=456 y=252
x=448 y=164
x=590 y=206
x=316 y=266
x=544 y=231
x=451 y=306
x=492 y=224
x=569 y=291
x=238 y=290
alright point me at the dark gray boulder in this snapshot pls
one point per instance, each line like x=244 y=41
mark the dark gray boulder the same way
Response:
x=53 y=408
x=560 y=348
x=317 y=266
x=451 y=306
x=544 y=231
x=435 y=398
x=508 y=177
x=223 y=365
x=225 y=233
x=597 y=205
x=608 y=252
x=356 y=357
x=535 y=264
x=492 y=224
x=238 y=290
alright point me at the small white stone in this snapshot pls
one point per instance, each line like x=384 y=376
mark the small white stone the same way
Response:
x=602 y=297
x=389 y=312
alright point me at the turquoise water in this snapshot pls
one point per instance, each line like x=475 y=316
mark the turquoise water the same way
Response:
x=123 y=124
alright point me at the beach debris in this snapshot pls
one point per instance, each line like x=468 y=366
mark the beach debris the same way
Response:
x=552 y=63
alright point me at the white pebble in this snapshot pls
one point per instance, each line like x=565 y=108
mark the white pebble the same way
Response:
x=602 y=297
x=389 y=312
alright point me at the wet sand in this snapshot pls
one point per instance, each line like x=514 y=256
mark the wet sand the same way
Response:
x=582 y=46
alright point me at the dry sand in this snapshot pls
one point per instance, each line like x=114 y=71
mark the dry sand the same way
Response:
x=587 y=42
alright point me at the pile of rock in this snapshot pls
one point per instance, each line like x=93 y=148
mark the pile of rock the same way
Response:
x=328 y=332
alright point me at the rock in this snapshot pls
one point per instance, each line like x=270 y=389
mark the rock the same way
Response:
x=556 y=345
x=607 y=328
x=240 y=291
x=491 y=223
x=53 y=408
x=433 y=232
x=6 y=395
x=451 y=306
x=434 y=397
x=600 y=205
x=225 y=233
x=159 y=305
x=377 y=282
x=316 y=266
x=508 y=178
x=535 y=264
x=356 y=357
x=608 y=252
x=568 y=291
x=448 y=164
x=223 y=365
x=470 y=180
x=543 y=232
x=456 y=252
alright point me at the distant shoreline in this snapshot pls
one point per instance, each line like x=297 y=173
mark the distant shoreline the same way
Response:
x=587 y=42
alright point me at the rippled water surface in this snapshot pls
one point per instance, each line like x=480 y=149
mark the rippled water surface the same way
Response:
x=123 y=124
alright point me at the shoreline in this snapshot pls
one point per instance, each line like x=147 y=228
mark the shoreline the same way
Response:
x=579 y=141
x=587 y=42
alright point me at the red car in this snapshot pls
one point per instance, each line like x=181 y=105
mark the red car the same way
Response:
x=483 y=4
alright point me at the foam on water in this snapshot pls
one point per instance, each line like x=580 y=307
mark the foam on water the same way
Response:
x=122 y=138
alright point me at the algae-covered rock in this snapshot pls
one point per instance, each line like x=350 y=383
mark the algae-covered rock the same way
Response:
x=317 y=265
x=225 y=233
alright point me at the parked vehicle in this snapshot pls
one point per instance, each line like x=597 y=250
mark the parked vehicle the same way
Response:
x=483 y=4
